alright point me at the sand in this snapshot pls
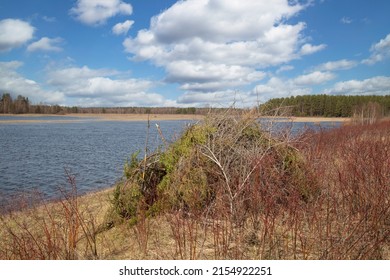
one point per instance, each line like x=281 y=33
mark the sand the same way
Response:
x=100 y=117
x=314 y=119
x=144 y=117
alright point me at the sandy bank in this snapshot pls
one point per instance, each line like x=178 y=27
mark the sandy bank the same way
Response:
x=99 y=117
x=144 y=117
x=313 y=119
x=138 y=117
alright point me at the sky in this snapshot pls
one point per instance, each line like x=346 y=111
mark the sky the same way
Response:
x=192 y=53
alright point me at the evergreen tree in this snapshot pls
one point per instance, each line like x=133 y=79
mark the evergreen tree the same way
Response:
x=325 y=105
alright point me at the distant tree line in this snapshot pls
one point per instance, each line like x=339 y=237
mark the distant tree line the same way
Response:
x=328 y=105
x=22 y=105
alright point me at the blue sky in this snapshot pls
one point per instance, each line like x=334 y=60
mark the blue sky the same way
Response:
x=193 y=52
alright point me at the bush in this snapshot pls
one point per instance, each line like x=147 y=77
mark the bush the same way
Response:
x=226 y=164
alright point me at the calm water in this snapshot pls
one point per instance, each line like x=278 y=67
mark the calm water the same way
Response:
x=33 y=156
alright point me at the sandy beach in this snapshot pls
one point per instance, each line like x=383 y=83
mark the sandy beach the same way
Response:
x=138 y=117
x=313 y=119
x=144 y=117
x=99 y=117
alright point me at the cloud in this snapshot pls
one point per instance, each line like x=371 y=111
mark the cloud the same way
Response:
x=205 y=99
x=218 y=99
x=208 y=45
x=46 y=44
x=279 y=87
x=49 y=19
x=14 y=33
x=379 y=51
x=210 y=76
x=101 y=87
x=285 y=68
x=63 y=76
x=346 y=20
x=97 y=12
x=343 y=64
x=307 y=49
x=314 y=78
x=13 y=82
x=220 y=21
x=122 y=28
x=80 y=86
x=379 y=85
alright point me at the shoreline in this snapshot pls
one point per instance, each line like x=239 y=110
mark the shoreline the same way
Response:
x=98 y=117
x=312 y=119
x=144 y=117
x=24 y=203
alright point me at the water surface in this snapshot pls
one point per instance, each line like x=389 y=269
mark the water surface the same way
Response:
x=34 y=156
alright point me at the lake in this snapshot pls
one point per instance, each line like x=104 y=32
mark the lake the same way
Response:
x=34 y=156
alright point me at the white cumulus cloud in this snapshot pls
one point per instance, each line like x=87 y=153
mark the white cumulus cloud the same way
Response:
x=46 y=44
x=97 y=12
x=14 y=33
x=379 y=85
x=277 y=87
x=379 y=51
x=13 y=82
x=210 y=76
x=281 y=87
x=204 y=99
x=310 y=49
x=208 y=45
x=314 y=78
x=102 y=87
x=122 y=28
x=81 y=86
x=343 y=64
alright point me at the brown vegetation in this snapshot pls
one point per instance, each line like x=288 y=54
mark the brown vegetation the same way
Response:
x=227 y=190
x=66 y=229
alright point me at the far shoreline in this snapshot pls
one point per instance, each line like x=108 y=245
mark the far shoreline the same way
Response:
x=98 y=117
x=151 y=117
x=312 y=119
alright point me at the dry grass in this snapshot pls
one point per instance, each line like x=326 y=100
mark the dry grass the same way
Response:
x=67 y=229
x=322 y=195
x=352 y=216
